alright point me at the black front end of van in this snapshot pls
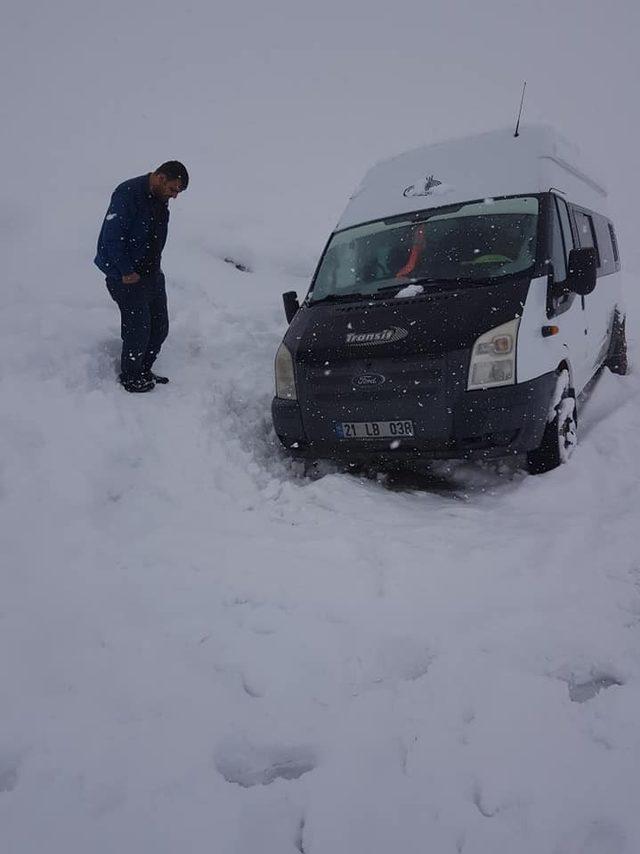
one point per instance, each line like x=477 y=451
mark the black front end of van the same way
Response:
x=385 y=381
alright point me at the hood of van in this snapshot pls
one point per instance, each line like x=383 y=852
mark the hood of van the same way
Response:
x=433 y=323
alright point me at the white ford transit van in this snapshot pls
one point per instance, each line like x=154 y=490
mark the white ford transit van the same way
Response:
x=469 y=293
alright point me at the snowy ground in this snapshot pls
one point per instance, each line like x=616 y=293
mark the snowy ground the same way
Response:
x=207 y=651
x=201 y=649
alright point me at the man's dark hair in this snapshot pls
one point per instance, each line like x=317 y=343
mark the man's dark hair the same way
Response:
x=173 y=170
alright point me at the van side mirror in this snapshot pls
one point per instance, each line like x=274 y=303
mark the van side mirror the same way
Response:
x=583 y=270
x=291 y=304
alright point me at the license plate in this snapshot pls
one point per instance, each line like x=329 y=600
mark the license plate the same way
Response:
x=374 y=429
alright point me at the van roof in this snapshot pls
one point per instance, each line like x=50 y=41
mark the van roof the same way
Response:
x=475 y=167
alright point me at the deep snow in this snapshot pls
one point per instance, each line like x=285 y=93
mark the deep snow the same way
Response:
x=204 y=647
x=201 y=648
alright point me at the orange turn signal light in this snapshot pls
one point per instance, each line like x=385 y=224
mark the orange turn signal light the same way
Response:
x=548 y=331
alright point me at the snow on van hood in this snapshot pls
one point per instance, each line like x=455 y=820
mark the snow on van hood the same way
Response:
x=410 y=291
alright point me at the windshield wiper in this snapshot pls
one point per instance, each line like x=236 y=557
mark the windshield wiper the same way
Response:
x=339 y=297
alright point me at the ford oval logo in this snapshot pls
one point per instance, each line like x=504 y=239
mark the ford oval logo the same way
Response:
x=368 y=380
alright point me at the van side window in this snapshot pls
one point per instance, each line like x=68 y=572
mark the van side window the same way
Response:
x=558 y=253
x=586 y=233
x=614 y=243
x=559 y=300
x=566 y=225
x=608 y=263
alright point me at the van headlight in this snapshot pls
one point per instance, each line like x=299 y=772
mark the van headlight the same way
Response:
x=285 y=378
x=493 y=359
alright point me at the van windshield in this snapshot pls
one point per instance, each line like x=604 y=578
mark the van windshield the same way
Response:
x=467 y=243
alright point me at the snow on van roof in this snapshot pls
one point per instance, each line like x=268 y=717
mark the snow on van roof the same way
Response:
x=473 y=168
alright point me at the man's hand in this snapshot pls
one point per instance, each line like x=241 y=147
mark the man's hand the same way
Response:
x=131 y=279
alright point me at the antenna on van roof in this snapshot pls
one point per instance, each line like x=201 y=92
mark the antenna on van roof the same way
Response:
x=520 y=110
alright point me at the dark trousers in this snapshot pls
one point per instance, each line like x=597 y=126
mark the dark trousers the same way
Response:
x=144 y=322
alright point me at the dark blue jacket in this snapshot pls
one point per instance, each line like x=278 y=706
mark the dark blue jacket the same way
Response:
x=134 y=231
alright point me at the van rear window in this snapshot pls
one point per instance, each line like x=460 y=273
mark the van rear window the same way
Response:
x=476 y=241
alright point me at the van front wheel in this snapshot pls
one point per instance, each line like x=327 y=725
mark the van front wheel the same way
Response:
x=561 y=433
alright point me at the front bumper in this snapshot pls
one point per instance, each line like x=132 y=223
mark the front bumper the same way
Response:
x=475 y=425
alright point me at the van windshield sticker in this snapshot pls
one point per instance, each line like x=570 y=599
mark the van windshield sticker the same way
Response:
x=422 y=188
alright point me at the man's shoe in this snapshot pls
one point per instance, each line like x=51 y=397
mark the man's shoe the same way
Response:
x=136 y=384
x=155 y=378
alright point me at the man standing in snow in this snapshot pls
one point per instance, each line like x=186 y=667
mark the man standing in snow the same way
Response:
x=130 y=247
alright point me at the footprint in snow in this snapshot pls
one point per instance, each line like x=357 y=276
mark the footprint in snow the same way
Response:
x=394 y=659
x=9 y=767
x=580 y=692
x=252 y=765
x=599 y=837
x=244 y=268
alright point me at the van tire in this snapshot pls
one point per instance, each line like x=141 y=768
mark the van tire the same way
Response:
x=561 y=433
x=617 y=360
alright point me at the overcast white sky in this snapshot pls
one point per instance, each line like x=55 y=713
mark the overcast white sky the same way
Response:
x=298 y=98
